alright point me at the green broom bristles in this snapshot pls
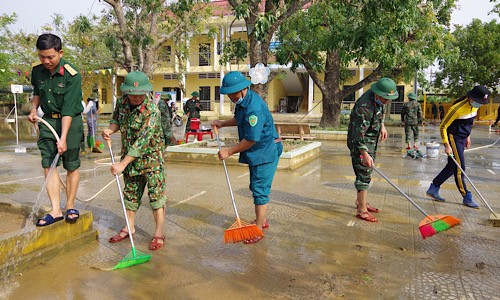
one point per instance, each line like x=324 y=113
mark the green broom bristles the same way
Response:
x=434 y=224
x=133 y=258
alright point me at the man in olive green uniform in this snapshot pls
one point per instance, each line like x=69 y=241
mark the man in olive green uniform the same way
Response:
x=366 y=127
x=411 y=117
x=166 y=120
x=435 y=113
x=57 y=89
x=139 y=121
x=192 y=109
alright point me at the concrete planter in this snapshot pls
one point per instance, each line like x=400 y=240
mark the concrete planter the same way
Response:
x=24 y=247
x=329 y=135
x=199 y=153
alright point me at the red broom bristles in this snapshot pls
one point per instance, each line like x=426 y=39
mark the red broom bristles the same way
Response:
x=241 y=231
x=434 y=224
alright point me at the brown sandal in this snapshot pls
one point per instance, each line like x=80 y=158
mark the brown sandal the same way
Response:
x=118 y=238
x=155 y=245
x=366 y=216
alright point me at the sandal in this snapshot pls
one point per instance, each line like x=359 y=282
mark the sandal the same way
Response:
x=118 y=238
x=48 y=219
x=252 y=241
x=265 y=225
x=70 y=212
x=366 y=216
x=155 y=245
x=369 y=208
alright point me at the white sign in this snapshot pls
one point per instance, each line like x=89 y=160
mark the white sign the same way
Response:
x=16 y=88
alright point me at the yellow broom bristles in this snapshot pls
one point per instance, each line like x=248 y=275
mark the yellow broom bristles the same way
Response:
x=241 y=231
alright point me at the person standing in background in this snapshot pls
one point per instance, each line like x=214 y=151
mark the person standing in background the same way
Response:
x=192 y=109
x=411 y=117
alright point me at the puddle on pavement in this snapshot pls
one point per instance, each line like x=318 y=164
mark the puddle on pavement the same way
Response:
x=11 y=222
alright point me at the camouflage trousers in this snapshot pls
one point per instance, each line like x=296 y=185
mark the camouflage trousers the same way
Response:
x=362 y=172
x=408 y=131
x=135 y=185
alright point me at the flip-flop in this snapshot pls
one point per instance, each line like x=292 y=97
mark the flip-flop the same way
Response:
x=252 y=241
x=72 y=211
x=366 y=216
x=49 y=219
x=118 y=238
x=154 y=245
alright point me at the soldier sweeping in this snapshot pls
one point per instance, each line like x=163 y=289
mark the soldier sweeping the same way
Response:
x=260 y=146
x=138 y=119
x=366 y=127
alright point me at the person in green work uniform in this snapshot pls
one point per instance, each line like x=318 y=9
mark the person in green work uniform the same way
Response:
x=411 y=117
x=260 y=145
x=138 y=118
x=166 y=120
x=192 y=109
x=366 y=128
x=57 y=89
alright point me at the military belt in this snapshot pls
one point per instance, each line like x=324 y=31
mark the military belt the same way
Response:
x=54 y=116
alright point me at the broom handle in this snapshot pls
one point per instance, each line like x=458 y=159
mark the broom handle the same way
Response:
x=471 y=183
x=227 y=177
x=121 y=198
x=399 y=190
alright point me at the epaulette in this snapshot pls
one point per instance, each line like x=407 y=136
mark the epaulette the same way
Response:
x=70 y=70
x=37 y=63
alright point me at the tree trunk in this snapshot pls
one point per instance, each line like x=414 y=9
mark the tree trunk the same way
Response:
x=332 y=95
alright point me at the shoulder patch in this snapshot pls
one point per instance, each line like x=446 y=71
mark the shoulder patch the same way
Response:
x=252 y=120
x=37 y=63
x=70 y=69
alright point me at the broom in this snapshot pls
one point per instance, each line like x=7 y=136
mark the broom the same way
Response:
x=240 y=230
x=431 y=224
x=135 y=257
x=494 y=217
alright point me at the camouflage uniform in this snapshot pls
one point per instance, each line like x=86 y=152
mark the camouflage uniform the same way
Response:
x=411 y=116
x=166 y=122
x=194 y=112
x=366 y=121
x=142 y=138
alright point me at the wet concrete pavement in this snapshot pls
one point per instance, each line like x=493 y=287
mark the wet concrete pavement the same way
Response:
x=315 y=248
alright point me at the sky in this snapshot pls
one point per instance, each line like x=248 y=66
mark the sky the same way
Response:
x=32 y=14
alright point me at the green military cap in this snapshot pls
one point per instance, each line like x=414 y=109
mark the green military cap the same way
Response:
x=136 y=83
x=93 y=96
x=166 y=97
x=195 y=94
x=412 y=96
x=385 y=88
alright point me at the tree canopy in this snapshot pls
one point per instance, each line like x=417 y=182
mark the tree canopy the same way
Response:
x=393 y=38
x=472 y=57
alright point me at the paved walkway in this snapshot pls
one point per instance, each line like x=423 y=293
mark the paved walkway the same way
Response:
x=314 y=249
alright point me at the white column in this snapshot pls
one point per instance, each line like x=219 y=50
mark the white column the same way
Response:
x=310 y=95
x=183 y=80
x=361 y=77
x=221 y=97
x=215 y=64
